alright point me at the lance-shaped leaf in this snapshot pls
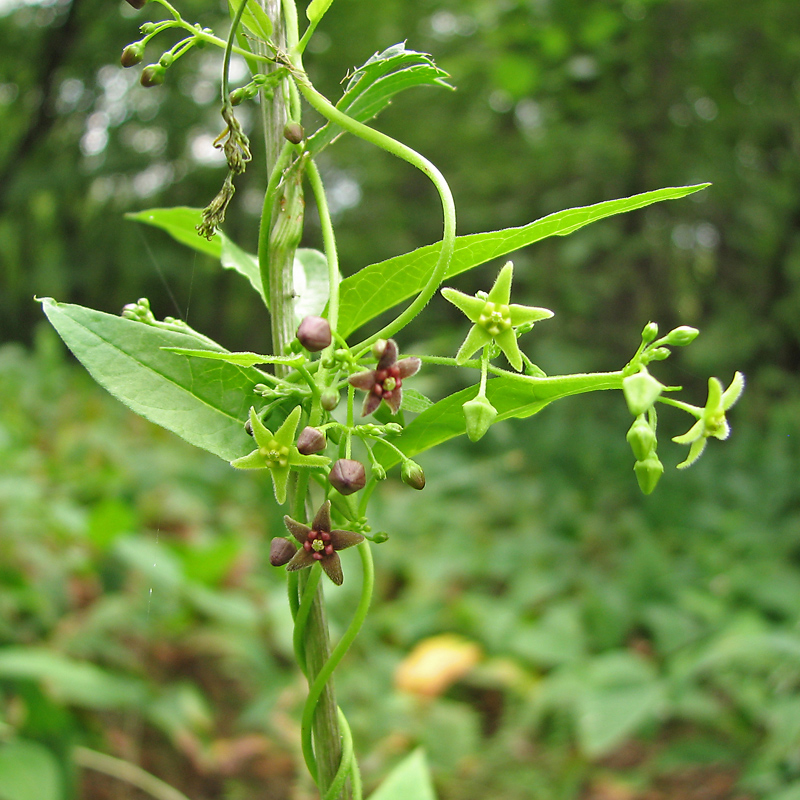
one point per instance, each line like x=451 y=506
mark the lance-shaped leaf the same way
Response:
x=204 y=402
x=373 y=85
x=379 y=287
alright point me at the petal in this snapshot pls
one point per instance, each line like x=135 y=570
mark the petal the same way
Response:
x=341 y=540
x=298 y=460
x=332 y=565
x=301 y=559
x=393 y=399
x=371 y=402
x=322 y=522
x=520 y=314
x=722 y=430
x=285 y=434
x=252 y=460
x=698 y=445
x=297 y=529
x=409 y=366
x=507 y=341
x=262 y=435
x=469 y=305
x=734 y=391
x=363 y=380
x=501 y=291
x=693 y=434
x=389 y=355
x=714 y=402
x=476 y=338
x=280 y=477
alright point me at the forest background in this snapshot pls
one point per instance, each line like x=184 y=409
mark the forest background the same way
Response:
x=588 y=641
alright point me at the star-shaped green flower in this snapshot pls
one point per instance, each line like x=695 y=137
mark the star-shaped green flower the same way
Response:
x=495 y=318
x=711 y=421
x=277 y=452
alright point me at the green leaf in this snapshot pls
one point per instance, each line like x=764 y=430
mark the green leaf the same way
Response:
x=29 y=771
x=254 y=18
x=411 y=778
x=204 y=402
x=181 y=224
x=75 y=682
x=415 y=402
x=311 y=286
x=373 y=85
x=378 y=287
x=513 y=398
x=242 y=359
x=316 y=10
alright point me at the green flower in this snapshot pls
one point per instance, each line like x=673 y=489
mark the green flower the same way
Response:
x=711 y=419
x=277 y=452
x=495 y=318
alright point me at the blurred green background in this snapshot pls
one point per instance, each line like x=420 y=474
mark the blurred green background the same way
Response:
x=630 y=648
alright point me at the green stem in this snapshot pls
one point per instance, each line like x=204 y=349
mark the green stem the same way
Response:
x=688 y=407
x=226 y=62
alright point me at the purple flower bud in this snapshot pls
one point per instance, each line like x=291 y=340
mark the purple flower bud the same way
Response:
x=314 y=334
x=137 y=3
x=132 y=55
x=412 y=475
x=152 y=75
x=281 y=551
x=293 y=132
x=311 y=441
x=347 y=476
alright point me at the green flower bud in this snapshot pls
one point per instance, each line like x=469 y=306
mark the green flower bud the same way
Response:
x=681 y=336
x=479 y=414
x=650 y=332
x=166 y=60
x=347 y=476
x=147 y=28
x=152 y=75
x=132 y=55
x=641 y=437
x=641 y=391
x=378 y=472
x=380 y=537
x=311 y=441
x=314 y=334
x=329 y=399
x=281 y=551
x=237 y=96
x=659 y=354
x=412 y=474
x=379 y=348
x=648 y=473
x=293 y=132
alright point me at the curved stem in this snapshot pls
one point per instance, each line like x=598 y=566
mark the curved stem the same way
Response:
x=226 y=63
x=347 y=760
x=402 y=151
x=301 y=618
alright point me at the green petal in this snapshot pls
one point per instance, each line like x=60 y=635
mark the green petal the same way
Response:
x=280 y=478
x=252 y=460
x=734 y=391
x=262 y=435
x=477 y=337
x=520 y=314
x=507 y=342
x=501 y=291
x=698 y=445
x=471 y=306
x=285 y=434
x=692 y=435
x=297 y=460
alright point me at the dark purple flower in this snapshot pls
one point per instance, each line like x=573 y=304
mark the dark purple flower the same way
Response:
x=386 y=380
x=320 y=543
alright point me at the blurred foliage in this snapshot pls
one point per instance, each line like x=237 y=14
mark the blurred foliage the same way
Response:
x=629 y=648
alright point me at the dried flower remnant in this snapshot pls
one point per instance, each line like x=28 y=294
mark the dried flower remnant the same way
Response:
x=385 y=382
x=320 y=543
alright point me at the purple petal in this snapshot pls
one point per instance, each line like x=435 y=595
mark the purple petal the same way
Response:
x=322 y=522
x=409 y=367
x=393 y=399
x=389 y=355
x=302 y=558
x=363 y=380
x=371 y=402
x=297 y=529
x=341 y=540
x=332 y=565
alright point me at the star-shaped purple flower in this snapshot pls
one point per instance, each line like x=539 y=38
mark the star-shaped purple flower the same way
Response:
x=320 y=543
x=386 y=380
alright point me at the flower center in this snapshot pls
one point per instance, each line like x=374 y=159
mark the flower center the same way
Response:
x=319 y=544
x=276 y=455
x=386 y=381
x=495 y=318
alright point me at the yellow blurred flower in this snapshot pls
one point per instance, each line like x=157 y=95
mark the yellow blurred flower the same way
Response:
x=435 y=664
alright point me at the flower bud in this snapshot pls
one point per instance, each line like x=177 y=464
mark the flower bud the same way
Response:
x=166 y=60
x=479 y=414
x=248 y=427
x=412 y=474
x=380 y=537
x=659 y=354
x=641 y=437
x=281 y=551
x=681 y=336
x=379 y=348
x=378 y=472
x=314 y=334
x=237 y=96
x=648 y=473
x=329 y=399
x=311 y=441
x=147 y=28
x=641 y=391
x=347 y=476
x=137 y=4
x=132 y=55
x=650 y=332
x=152 y=75
x=293 y=132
